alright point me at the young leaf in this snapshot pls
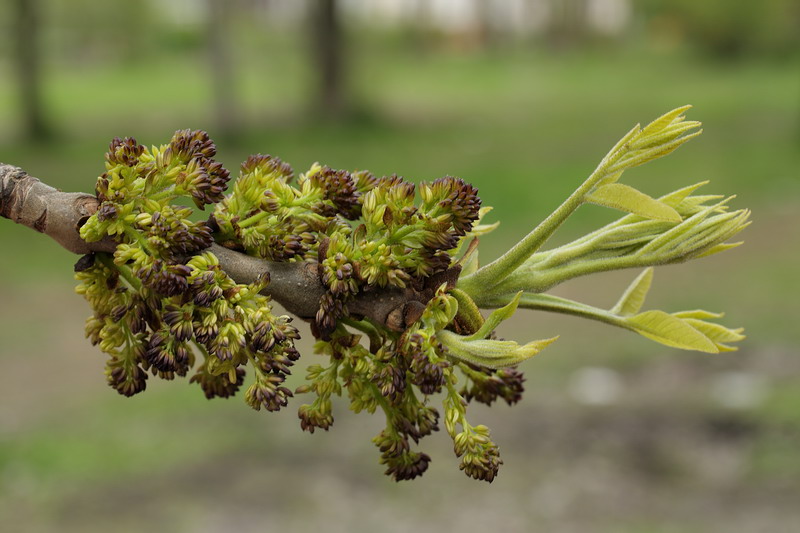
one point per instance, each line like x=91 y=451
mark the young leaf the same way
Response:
x=664 y=120
x=720 y=248
x=626 y=198
x=671 y=331
x=699 y=314
x=674 y=198
x=632 y=300
x=489 y=353
x=718 y=333
x=638 y=158
x=494 y=319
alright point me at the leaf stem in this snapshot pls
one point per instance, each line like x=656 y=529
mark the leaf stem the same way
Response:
x=492 y=274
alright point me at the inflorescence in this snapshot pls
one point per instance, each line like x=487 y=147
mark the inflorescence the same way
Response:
x=162 y=301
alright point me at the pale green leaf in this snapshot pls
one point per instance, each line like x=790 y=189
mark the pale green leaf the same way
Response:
x=676 y=234
x=664 y=120
x=495 y=318
x=671 y=331
x=674 y=198
x=626 y=198
x=720 y=248
x=634 y=296
x=669 y=133
x=489 y=353
x=483 y=229
x=641 y=157
x=716 y=332
x=699 y=314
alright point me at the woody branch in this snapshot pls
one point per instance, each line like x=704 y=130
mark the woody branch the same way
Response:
x=296 y=286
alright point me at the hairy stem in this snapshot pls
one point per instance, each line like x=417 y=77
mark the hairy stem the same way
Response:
x=496 y=271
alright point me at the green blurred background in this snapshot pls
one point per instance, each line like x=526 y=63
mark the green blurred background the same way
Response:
x=521 y=98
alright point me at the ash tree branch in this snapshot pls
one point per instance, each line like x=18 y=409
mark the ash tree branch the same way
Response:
x=296 y=286
x=27 y=201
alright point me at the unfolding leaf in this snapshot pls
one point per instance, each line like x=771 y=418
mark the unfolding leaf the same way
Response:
x=489 y=353
x=626 y=198
x=699 y=314
x=671 y=331
x=494 y=319
x=632 y=300
x=664 y=120
x=674 y=198
x=719 y=334
x=671 y=132
x=720 y=248
x=636 y=158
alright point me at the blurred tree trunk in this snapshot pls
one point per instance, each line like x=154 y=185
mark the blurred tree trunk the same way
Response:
x=568 y=26
x=420 y=27
x=28 y=66
x=328 y=59
x=486 y=33
x=225 y=108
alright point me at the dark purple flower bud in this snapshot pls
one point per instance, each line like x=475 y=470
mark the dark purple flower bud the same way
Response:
x=486 y=469
x=187 y=144
x=125 y=377
x=391 y=381
x=268 y=393
x=124 y=152
x=339 y=193
x=402 y=464
x=261 y=338
x=487 y=385
x=364 y=180
x=218 y=386
x=268 y=165
x=458 y=198
x=107 y=211
x=205 y=334
x=311 y=419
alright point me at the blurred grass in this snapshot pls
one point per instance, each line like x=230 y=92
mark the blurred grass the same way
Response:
x=526 y=128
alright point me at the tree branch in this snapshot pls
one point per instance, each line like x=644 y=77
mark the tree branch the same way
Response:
x=27 y=201
x=296 y=286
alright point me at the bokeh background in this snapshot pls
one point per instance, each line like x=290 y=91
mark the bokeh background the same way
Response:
x=521 y=98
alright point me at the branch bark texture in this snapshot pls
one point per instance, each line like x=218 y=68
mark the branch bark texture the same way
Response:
x=296 y=286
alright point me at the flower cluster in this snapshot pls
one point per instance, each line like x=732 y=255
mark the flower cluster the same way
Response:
x=398 y=374
x=136 y=196
x=399 y=243
x=160 y=301
x=228 y=324
x=363 y=231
